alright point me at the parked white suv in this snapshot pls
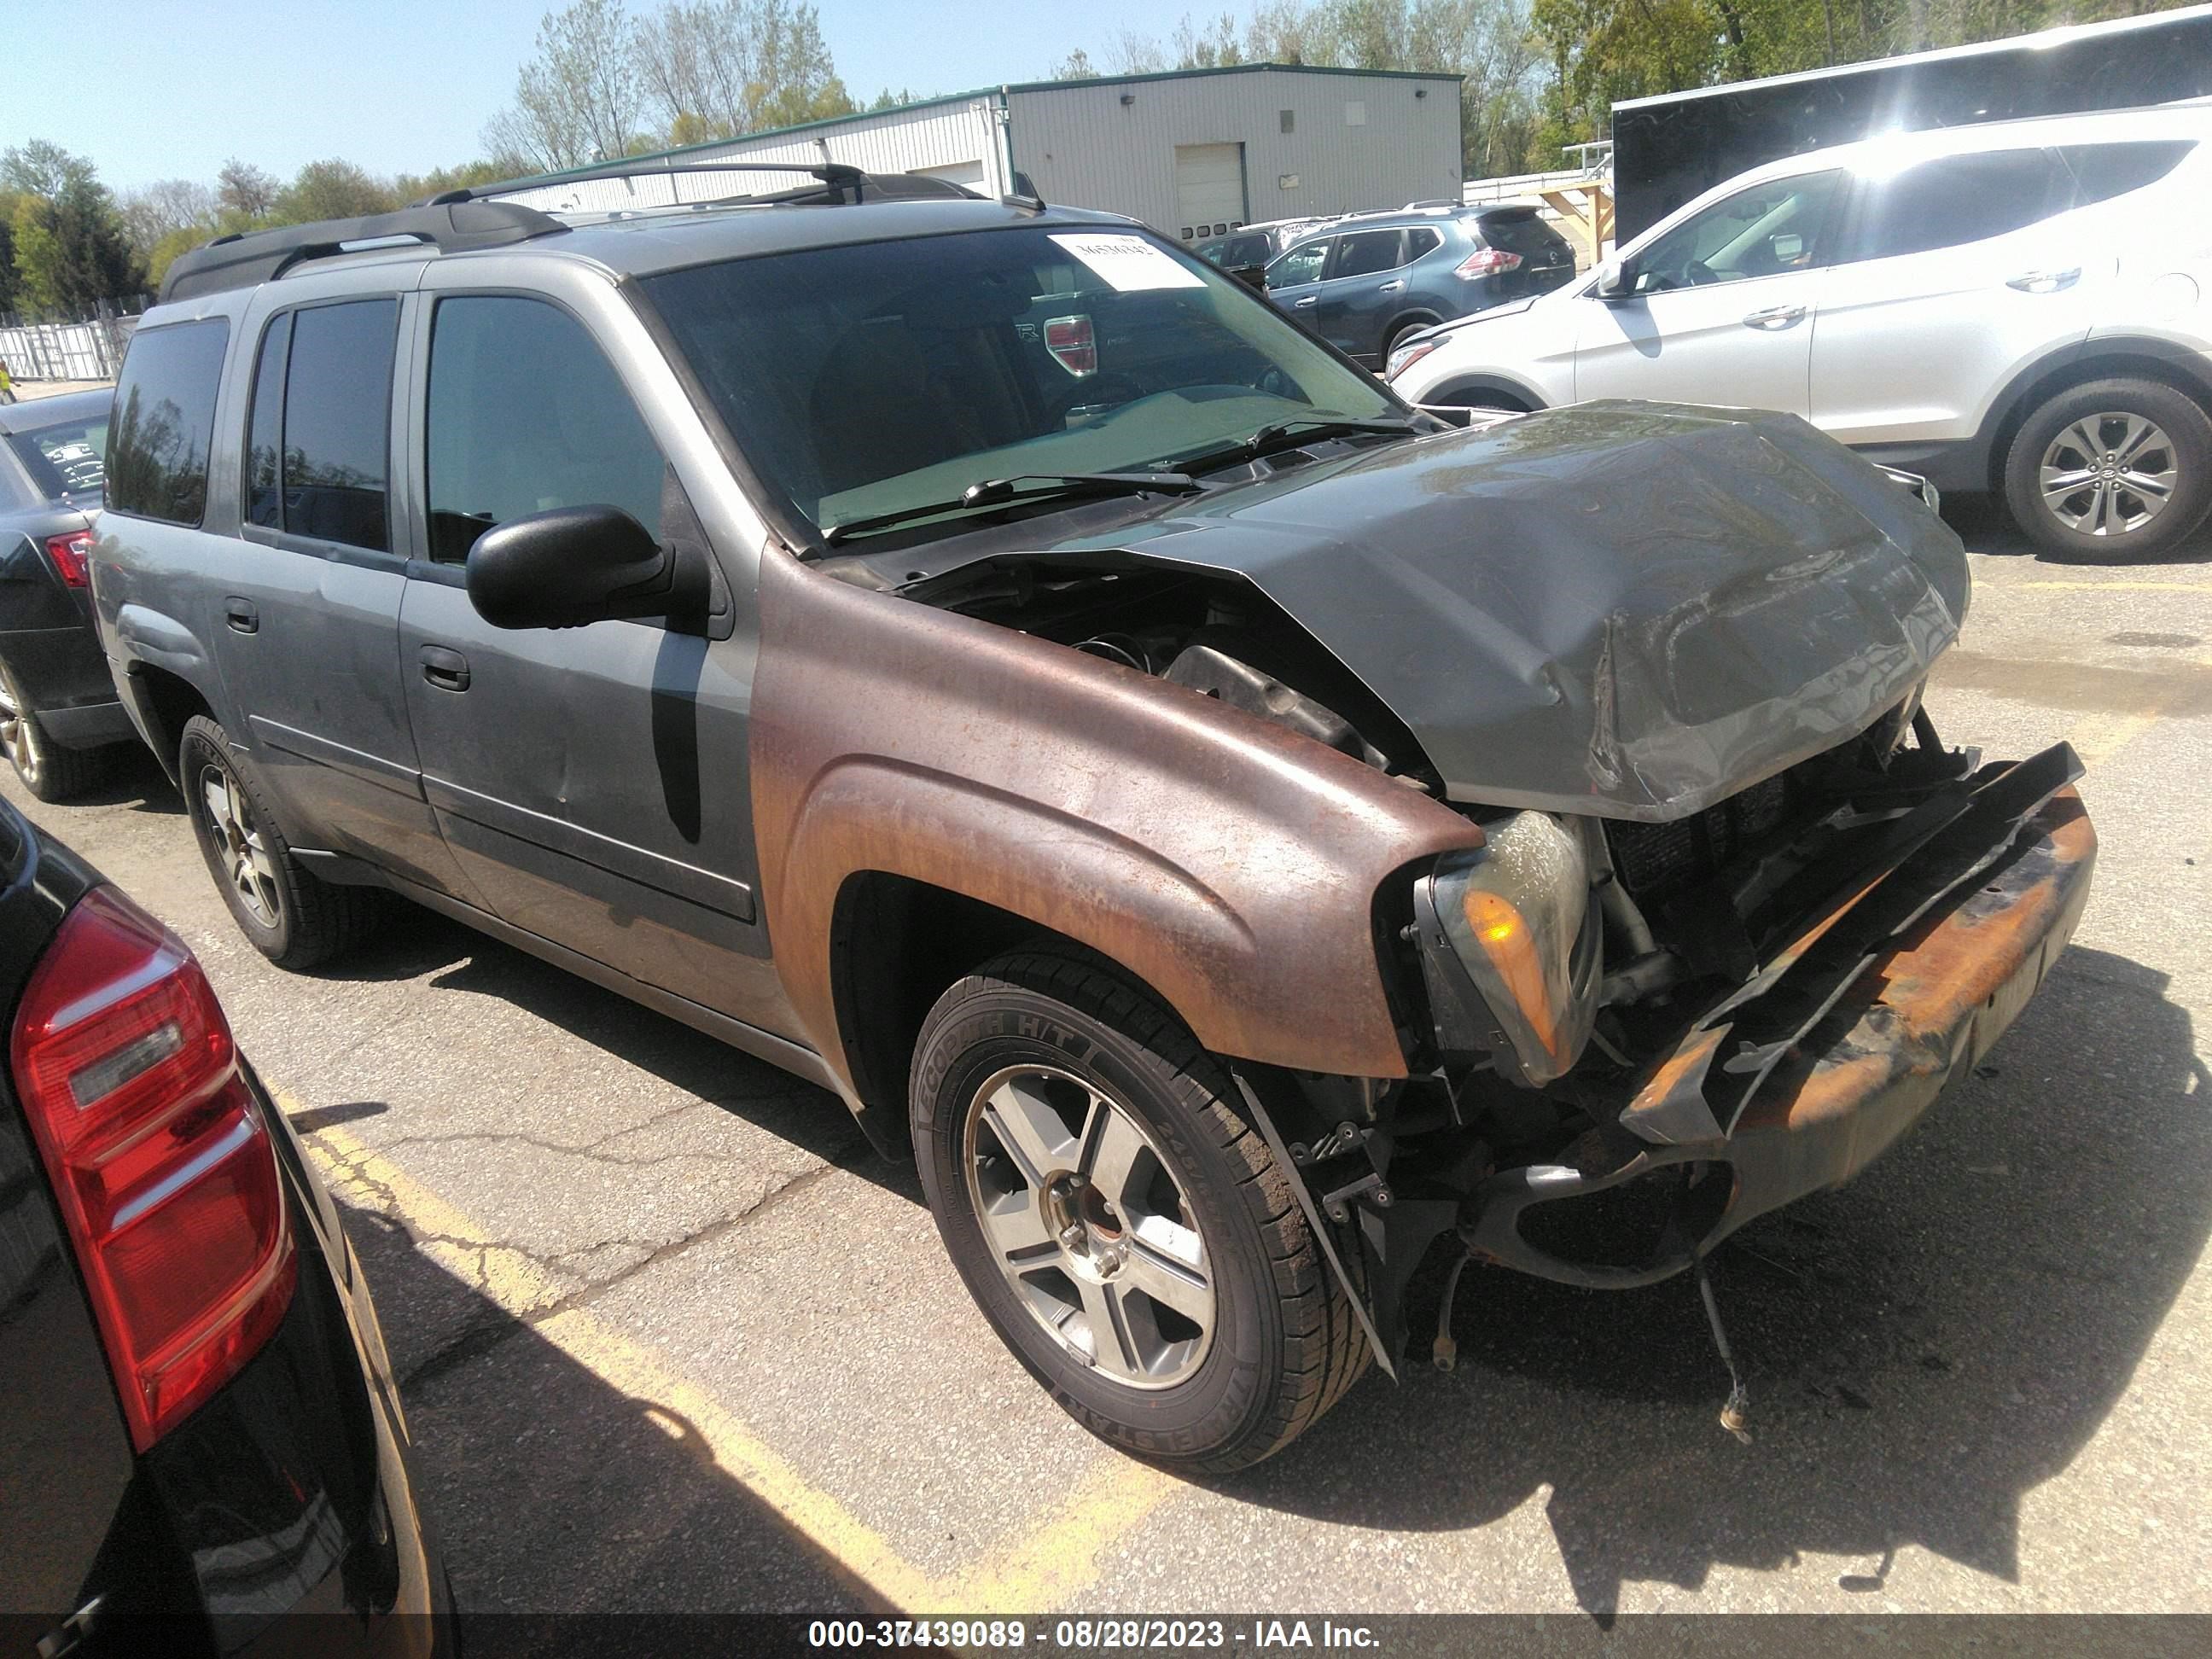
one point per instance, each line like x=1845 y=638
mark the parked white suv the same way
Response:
x=2020 y=306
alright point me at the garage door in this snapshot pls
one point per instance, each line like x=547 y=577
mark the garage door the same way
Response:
x=1209 y=189
x=969 y=173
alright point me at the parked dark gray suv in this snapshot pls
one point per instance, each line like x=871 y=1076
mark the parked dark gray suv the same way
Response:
x=1366 y=283
x=1233 y=831
x=59 y=721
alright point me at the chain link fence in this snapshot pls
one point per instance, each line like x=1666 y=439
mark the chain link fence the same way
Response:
x=91 y=350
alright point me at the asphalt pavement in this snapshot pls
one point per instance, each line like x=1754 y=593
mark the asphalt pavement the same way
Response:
x=670 y=1338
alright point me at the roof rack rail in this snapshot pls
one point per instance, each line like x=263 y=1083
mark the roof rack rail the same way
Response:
x=248 y=258
x=842 y=180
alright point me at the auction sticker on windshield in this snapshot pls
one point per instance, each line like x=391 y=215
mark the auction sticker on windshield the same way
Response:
x=1130 y=264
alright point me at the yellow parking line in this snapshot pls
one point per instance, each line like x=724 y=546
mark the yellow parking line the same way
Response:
x=2131 y=586
x=1044 y=1571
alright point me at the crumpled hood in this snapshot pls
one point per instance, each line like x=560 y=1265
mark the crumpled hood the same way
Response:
x=1628 y=610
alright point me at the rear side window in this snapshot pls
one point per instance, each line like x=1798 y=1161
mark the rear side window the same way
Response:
x=1369 y=252
x=2104 y=171
x=1520 y=233
x=1959 y=199
x=331 y=450
x=1419 y=242
x=526 y=415
x=157 y=461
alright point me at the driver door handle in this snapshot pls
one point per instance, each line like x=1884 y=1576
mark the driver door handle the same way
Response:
x=1310 y=300
x=446 y=669
x=1774 y=317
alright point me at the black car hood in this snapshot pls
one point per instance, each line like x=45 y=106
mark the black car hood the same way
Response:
x=1628 y=610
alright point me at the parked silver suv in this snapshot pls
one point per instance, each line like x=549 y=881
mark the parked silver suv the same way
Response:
x=2021 y=307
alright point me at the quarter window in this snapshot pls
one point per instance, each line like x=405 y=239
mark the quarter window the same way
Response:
x=526 y=415
x=1957 y=199
x=157 y=463
x=2104 y=171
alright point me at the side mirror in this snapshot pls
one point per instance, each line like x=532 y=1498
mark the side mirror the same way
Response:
x=1615 y=280
x=569 y=567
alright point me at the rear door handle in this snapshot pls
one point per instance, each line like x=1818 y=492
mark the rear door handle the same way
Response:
x=1392 y=288
x=2045 y=282
x=446 y=669
x=1774 y=317
x=242 y=615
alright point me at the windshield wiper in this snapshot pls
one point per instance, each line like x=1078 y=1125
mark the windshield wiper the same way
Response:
x=1288 y=434
x=1007 y=492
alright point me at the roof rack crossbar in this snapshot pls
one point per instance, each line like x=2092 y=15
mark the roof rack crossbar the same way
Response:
x=248 y=258
x=838 y=175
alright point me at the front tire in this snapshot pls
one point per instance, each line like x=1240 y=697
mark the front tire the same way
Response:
x=2111 y=471
x=49 y=770
x=1118 y=1220
x=286 y=912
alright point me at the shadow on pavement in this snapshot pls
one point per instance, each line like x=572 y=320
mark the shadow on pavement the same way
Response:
x=418 y=942
x=133 y=779
x=1923 y=1347
x=1986 y=527
x=549 y=1489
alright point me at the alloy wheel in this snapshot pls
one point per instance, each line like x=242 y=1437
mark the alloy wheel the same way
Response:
x=240 y=847
x=1090 y=1226
x=15 y=733
x=2108 y=474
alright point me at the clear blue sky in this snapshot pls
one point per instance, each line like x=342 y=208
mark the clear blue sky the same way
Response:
x=167 y=88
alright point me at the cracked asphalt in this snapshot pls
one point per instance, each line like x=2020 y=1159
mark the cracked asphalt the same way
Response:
x=670 y=1338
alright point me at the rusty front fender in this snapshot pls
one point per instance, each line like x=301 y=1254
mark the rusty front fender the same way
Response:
x=1228 y=865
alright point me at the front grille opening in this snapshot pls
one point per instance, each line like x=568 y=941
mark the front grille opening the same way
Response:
x=1658 y=860
x=1657 y=1218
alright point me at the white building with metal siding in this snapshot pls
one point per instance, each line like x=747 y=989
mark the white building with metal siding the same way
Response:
x=1212 y=148
x=1187 y=152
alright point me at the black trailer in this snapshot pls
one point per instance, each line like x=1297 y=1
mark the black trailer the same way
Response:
x=1668 y=150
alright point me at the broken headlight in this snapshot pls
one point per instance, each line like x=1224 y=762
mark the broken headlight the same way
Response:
x=1511 y=947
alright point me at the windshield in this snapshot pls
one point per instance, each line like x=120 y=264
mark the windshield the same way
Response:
x=869 y=379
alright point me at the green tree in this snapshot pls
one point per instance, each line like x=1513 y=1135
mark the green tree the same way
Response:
x=579 y=99
x=332 y=189
x=68 y=249
x=244 y=195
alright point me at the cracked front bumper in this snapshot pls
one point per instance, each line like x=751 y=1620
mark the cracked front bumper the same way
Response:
x=1872 y=1046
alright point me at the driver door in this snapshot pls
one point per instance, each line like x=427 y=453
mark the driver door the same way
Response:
x=1721 y=308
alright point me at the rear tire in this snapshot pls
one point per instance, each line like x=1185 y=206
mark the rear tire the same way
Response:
x=289 y=914
x=2111 y=471
x=1066 y=1123
x=49 y=770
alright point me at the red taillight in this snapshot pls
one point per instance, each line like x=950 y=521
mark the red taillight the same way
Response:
x=1072 y=344
x=158 y=1156
x=1487 y=262
x=71 y=554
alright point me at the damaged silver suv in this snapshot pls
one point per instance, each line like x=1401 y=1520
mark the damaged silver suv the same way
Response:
x=1237 y=833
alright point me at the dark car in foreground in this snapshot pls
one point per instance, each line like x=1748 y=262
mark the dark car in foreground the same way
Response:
x=1233 y=829
x=199 y=1432
x=60 y=718
x=1367 y=282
